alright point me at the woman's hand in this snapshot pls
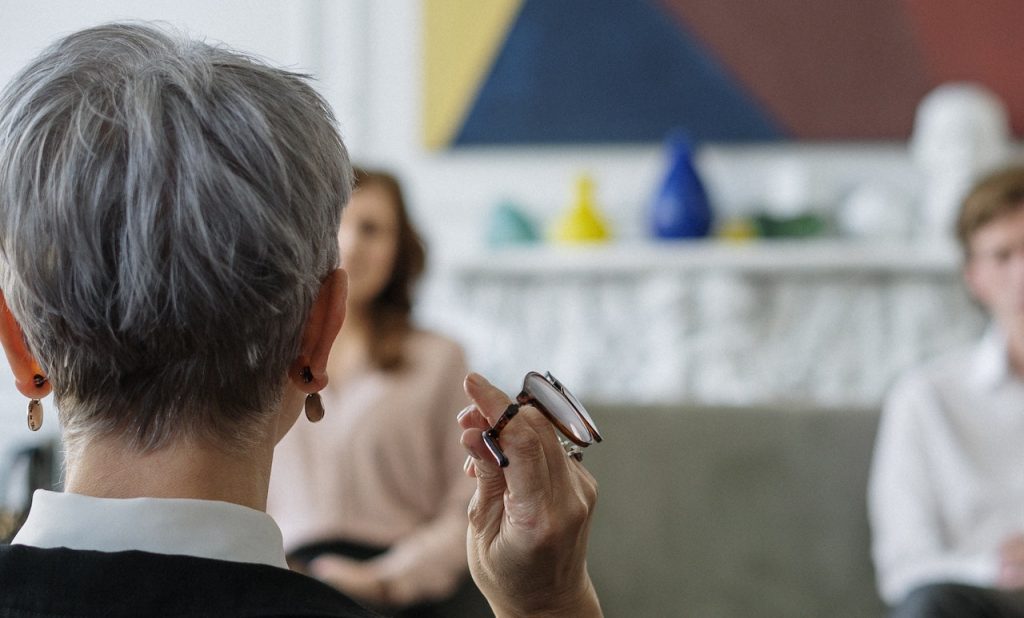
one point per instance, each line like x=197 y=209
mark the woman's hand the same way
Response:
x=1011 y=563
x=529 y=522
x=359 y=580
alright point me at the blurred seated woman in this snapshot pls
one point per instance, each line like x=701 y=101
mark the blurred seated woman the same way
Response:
x=373 y=499
x=169 y=214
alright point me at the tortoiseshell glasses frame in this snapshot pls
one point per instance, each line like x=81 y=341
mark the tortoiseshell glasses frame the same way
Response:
x=554 y=401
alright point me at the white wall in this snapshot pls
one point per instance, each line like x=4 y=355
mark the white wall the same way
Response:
x=454 y=190
x=367 y=56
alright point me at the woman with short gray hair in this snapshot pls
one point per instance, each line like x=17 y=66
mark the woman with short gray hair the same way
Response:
x=168 y=268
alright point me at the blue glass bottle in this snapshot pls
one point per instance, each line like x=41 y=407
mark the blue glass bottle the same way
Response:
x=680 y=208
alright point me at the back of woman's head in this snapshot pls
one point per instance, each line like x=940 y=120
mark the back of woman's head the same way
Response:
x=167 y=211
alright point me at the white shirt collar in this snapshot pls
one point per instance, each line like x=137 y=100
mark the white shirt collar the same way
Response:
x=991 y=360
x=199 y=528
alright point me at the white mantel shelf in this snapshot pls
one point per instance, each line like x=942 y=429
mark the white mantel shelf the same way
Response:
x=757 y=257
x=822 y=322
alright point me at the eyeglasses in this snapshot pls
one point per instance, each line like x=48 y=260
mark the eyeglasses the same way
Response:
x=555 y=402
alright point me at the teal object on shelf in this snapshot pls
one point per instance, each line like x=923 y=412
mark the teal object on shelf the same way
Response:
x=681 y=208
x=510 y=226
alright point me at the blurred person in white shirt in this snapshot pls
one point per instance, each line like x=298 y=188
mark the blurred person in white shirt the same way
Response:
x=946 y=496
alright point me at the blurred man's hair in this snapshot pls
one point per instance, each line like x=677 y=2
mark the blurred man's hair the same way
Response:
x=992 y=197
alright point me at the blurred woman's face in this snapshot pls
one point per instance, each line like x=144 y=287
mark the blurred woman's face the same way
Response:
x=368 y=240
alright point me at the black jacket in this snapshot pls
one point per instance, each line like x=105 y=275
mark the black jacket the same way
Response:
x=51 y=583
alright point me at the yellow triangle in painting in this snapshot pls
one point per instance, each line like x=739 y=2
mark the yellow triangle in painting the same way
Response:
x=461 y=40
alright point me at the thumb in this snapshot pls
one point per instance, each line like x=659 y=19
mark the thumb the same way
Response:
x=490 y=400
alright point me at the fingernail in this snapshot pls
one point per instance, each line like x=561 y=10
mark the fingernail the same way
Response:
x=469 y=462
x=476 y=379
x=465 y=411
x=472 y=452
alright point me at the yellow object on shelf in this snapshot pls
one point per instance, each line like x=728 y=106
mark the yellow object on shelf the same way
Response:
x=582 y=223
x=738 y=230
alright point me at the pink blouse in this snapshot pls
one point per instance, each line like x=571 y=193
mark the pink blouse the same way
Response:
x=384 y=468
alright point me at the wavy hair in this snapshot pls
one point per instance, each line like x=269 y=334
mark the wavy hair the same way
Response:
x=391 y=310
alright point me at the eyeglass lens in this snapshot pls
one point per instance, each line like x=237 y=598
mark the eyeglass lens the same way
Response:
x=559 y=406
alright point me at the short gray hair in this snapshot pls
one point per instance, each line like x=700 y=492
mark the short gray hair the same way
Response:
x=168 y=210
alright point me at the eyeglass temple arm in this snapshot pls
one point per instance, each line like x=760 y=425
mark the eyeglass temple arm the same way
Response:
x=491 y=435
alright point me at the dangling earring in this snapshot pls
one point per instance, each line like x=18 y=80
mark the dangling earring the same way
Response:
x=35 y=415
x=314 y=406
x=35 y=407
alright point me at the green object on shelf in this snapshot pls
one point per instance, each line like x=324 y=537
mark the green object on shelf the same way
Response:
x=800 y=226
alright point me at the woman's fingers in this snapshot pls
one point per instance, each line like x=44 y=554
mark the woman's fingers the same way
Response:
x=473 y=442
x=470 y=417
x=534 y=513
x=487 y=507
x=536 y=465
x=538 y=462
x=490 y=401
x=338 y=571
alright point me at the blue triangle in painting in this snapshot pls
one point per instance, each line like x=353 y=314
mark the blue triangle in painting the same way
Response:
x=608 y=71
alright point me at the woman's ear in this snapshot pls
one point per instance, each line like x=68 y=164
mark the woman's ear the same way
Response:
x=28 y=375
x=309 y=371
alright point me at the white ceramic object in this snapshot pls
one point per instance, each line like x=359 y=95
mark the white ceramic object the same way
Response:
x=961 y=131
x=875 y=210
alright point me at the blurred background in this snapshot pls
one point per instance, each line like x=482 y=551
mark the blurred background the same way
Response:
x=725 y=225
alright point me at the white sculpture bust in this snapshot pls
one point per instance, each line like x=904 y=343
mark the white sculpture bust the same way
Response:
x=961 y=131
